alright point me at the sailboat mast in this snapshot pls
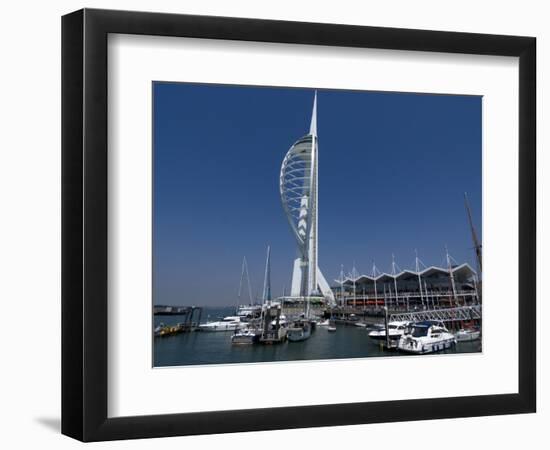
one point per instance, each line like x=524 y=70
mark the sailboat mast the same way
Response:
x=374 y=278
x=267 y=277
x=342 y=284
x=419 y=278
x=248 y=280
x=394 y=273
x=475 y=240
x=451 y=275
x=241 y=281
x=354 y=290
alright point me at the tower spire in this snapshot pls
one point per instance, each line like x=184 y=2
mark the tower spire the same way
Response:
x=313 y=126
x=298 y=185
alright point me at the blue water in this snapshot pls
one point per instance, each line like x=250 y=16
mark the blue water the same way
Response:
x=216 y=348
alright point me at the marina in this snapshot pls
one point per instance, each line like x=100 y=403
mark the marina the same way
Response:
x=349 y=341
x=413 y=311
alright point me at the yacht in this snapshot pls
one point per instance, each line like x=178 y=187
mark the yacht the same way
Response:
x=245 y=337
x=249 y=311
x=395 y=331
x=299 y=331
x=467 y=335
x=229 y=323
x=426 y=337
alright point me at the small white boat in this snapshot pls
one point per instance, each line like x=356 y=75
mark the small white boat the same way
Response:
x=245 y=337
x=323 y=323
x=299 y=331
x=249 y=311
x=229 y=323
x=158 y=329
x=361 y=324
x=426 y=337
x=467 y=335
x=395 y=331
x=331 y=328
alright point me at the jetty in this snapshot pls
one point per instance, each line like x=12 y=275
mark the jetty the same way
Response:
x=458 y=314
x=191 y=320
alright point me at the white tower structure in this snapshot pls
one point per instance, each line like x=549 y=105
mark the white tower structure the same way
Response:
x=298 y=186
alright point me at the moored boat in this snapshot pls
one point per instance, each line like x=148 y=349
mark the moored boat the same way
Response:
x=299 y=331
x=158 y=329
x=426 y=337
x=467 y=335
x=245 y=337
x=229 y=323
x=395 y=331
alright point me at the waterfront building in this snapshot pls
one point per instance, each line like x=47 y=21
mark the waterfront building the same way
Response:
x=431 y=288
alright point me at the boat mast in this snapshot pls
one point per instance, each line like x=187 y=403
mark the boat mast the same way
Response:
x=374 y=278
x=475 y=241
x=342 y=284
x=244 y=273
x=267 y=278
x=419 y=278
x=393 y=272
x=354 y=291
x=428 y=297
x=451 y=275
x=241 y=282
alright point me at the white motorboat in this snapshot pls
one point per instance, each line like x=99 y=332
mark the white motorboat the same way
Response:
x=249 y=311
x=395 y=331
x=323 y=323
x=361 y=324
x=299 y=331
x=229 y=323
x=426 y=337
x=245 y=337
x=467 y=335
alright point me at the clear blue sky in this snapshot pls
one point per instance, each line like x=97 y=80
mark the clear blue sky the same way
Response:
x=393 y=168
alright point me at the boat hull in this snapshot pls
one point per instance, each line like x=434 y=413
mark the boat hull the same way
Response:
x=468 y=336
x=298 y=334
x=381 y=336
x=421 y=347
x=244 y=339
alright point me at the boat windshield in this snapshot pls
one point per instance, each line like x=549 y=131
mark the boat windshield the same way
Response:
x=419 y=331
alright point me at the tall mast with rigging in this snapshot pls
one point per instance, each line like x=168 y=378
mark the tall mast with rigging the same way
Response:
x=475 y=240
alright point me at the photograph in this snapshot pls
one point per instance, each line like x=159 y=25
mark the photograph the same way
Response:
x=314 y=224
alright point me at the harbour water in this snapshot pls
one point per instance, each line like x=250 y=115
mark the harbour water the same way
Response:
x=198 y=348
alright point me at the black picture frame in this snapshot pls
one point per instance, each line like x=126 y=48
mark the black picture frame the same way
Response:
x=84 y=224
